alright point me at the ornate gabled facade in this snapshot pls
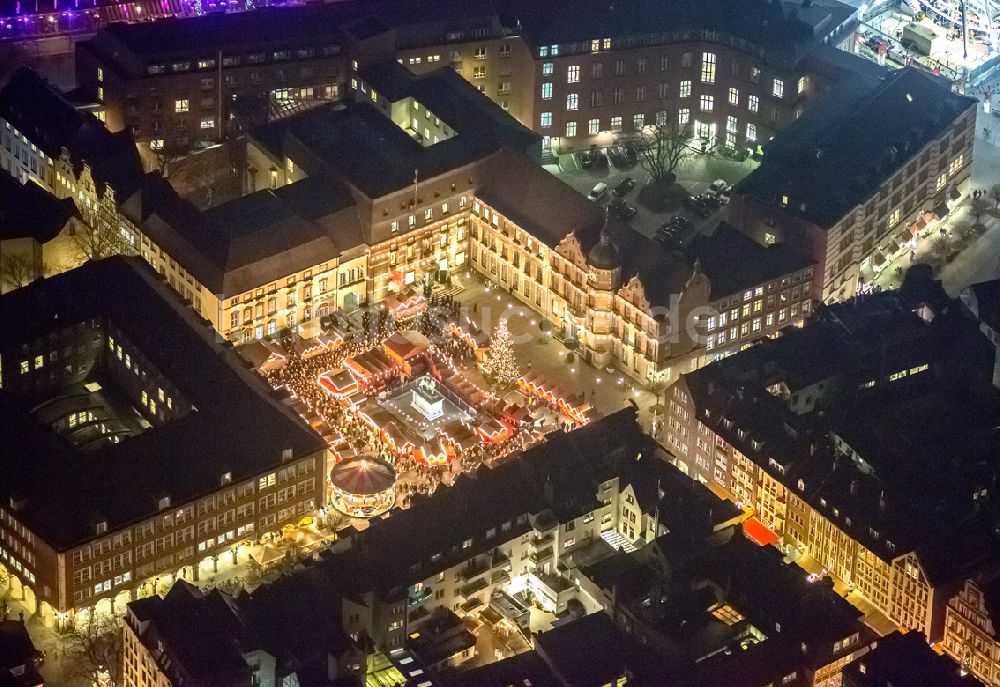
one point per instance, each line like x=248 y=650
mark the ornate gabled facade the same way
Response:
x=972 y=628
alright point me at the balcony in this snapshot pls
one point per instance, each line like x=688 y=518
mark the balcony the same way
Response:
x=472 y=604
x=474 y=569
x=538 y=557
x=500 y=577
x=416 y=598
x=499 y=560
x=540 y=540
x=476 y=585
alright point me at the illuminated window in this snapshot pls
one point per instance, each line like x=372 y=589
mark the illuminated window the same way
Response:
x=683 y=116
x=181 y=105
x=734 y=96
x=778 y=89
x=753 y=103
x=572 y=101
x=593 y=126
x=570 y=129
x=708 y=67
x=547 y=91
x=546 y=120
x=685 y=89
x=573 y=74
x=707 y=103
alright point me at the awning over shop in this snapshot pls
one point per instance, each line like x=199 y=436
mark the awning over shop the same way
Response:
x=941 y=209
x=756 y=530
x=878 y=259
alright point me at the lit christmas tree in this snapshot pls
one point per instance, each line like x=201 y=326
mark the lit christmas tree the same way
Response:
x=501 y=366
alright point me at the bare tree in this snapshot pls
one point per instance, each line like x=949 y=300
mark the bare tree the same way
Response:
x=994 y=193
x=979 y=207
x=95 y=243
x=663 y=147
x=16 y=271
x=94 y=650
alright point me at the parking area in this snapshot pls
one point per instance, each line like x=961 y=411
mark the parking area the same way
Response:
x=611 y=167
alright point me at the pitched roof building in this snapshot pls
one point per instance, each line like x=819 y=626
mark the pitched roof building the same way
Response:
x=907 y=142
x=835 y=432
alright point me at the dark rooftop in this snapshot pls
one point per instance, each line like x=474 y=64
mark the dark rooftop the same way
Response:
x=983 y=299
x=40 y=112
x=364 y=147
x=784 y=31
x=593 y=651
x=200 y=634
x=273 y=28
x=905 y=660
x=871 y=135
x=520 y=670
x=28 y=210
x=234 y=425
x=17 y=652
x=868 y=449
x=734 y=261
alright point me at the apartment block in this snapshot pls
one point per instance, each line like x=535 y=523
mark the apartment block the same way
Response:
x=906 y=145
x=824 y=434
x=604 y=71
x=123 y=467
x=576 y=74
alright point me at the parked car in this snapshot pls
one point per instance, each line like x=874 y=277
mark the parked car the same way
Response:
x=719 y=186
x=617 y=155
x=711 y=200
x=697 y=206
x=598 y=158
x=624 y=186
x=586 y=159
x=681 y=223
x=626 y=212
x=631 y=153
x=599 y=191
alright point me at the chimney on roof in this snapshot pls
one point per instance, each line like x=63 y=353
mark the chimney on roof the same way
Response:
x=854 y=486
x=18 y=502
x=881 y=501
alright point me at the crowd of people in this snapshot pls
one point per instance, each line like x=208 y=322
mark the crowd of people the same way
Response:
x=300 y=373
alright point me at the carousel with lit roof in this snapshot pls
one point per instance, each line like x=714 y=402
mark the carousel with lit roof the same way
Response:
x=363 y=487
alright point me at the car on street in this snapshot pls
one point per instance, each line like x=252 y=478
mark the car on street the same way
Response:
x=599 y=191
x=598 y=158
x=586 y=159
x=624 y=186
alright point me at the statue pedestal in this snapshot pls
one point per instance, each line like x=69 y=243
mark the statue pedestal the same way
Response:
x=428 y=400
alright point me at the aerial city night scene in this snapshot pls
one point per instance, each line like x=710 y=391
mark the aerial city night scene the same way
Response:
x=500 y=343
